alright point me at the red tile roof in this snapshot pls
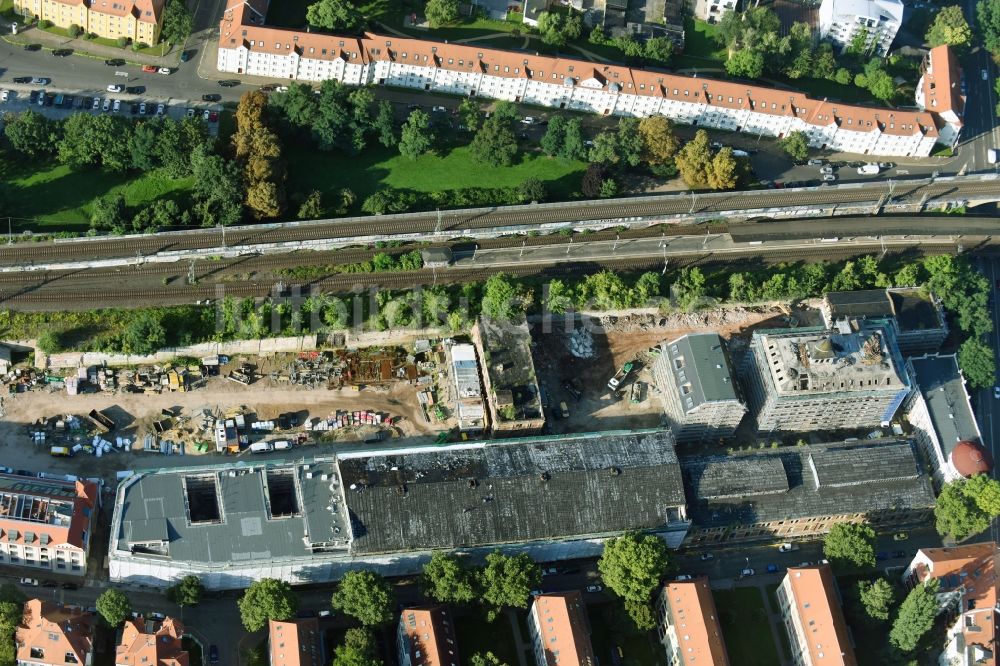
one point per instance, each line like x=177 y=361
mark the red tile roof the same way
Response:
x=51 y=633
x=942 y=82
x=564 y=629
x=159 y=646
x=431 y=636
x=696 y=622
x=816 y=603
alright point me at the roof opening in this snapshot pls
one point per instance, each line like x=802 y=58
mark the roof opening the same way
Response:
x=201 y=495
x=281 y=498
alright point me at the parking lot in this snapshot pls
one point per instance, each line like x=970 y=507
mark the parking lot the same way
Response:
x=128 y=101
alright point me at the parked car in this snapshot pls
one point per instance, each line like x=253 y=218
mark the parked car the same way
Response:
x=96 y=104
x=135 y=90
x=50 y=583
x=41 y=80
x=816 y=162
x=115 y=88
x=50 y=99
x=32 y=47
x=707 y=556
x=70 y=586
x=985 y=75
x=68 y=101
x=528 y=120
x=4 y=95
x=900 y=536
x=826 y=169
x=22 y=79
x=549 y=571
x=165 y=70
x=31 y=582
x=106 y=106
x=213 y=116
x=213 y=654
x=142 y=109
x=325 y=613
x=747 y=572
x=133 y=108
x=685 y=577
x=438 y=109
x=116 y=107
x=829 y=177
x=281 y=89
x=62 y=53
x=41 y=98
x=114 y=62
x=149 y=69
x=773 y=568
x=185 y=56
x=211 y=97
x=190 y=113
x=595 y=588
x=160 y=109
x=229 y=83
x=787 y=547
x=996 y=392
x=33 y=97
x=205 y=114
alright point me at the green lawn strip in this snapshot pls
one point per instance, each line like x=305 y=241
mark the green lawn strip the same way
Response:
x=699 y=40
x=377 y=168
x=869 y=635
x=475 y=634
x=636 y=649
x=772 y=598
x=56 y=197
x=745 y=626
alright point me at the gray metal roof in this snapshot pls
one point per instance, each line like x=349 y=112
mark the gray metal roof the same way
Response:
x=512 y=491
x=895 y=482
x=915 y=311
x=737 y=478
x=940 y=383
x=871 y=464
x=705 y=374
x=260 y=511
x=859 y=303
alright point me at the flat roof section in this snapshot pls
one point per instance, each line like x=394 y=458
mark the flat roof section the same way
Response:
x=940 y=382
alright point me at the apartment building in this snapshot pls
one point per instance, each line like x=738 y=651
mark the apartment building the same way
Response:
x=512 y=393
x=842 y=20
x=149 y=642
x=688 y=624
x=51 y=634
x=968 y=577
x=712 y=10
x=297 y=642
x=806 y=380
x=943 y=422
x=46 y=523
x=915 y=316
x=803 y=491
x=811 y=610
x=137 y=20
x=560 y=631
x=699 y=388
x=426 y=637
x=941 y=91
x=467 y=398
x=247 y=47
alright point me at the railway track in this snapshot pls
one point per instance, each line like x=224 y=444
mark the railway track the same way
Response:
x=343 y=284
x=506 y=218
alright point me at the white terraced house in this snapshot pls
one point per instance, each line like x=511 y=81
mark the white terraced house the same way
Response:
x=247 y=47
x=842 y=20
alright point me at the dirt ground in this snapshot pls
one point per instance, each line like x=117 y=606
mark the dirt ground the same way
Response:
x=135 y=414
x=617 y=340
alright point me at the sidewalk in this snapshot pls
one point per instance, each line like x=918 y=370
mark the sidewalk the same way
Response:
x=87 y=48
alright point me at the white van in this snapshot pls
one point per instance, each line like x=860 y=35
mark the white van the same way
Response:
x=261 y=447
x=869 y=169
x=282 y=445
x=991 y=155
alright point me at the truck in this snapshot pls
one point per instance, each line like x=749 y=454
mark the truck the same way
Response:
x=869 y=169
x=991 y=155
x=620 y=376
x=60 y=452
x=261 y=447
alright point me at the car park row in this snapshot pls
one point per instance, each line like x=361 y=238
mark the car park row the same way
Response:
x=42 y=98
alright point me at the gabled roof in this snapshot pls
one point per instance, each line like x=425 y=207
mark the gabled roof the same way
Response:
x=295 y=642
x=816 y=602
x=51 y=633
x=148 y=643
x=565 y=629
x=693 y=613
x=46 y=512
x=428 y=636
x=942 y=83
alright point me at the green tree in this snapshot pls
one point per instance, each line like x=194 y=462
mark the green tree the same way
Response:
x=859 y=42
x=217 y=190
x=555 y=135
x=593 y=180
x=96 y=141
x=573 y=146
x=144 y=334
x=957 y=514
x=494 y=144
x=745 y=64
x=31 y=133
x=507 y=581
x=915 y=617
x=187 y=592
x=877 y=598
x=114 y=606
x=500 y=300
x=441 y=12
x=365 y=596
x=658 y=49
x=985 y=492
x=556 y=29
x=630 y=142
x=445 y=580
x=385 y=124
x=632 y=566
x=694 y=160
x=609 y=188
x=416 y=137
x=723 y=173
x=557 y=297
x=950 y=27
x=880 y=84
x=108 y=212
x=470 y=113
x=485 y=659
x=849 y=544
x=532 y=189
x=824 y=62
x=177 y=22
x=689 y=289
x=796 y=144
x=334 y=15
x=988 y=19
x=604 y=290
x=143 y=146
x=605 y=148
x=843 y=76
x=358 y=649
x=977 y=362
x=267 y=599
x=312 y=207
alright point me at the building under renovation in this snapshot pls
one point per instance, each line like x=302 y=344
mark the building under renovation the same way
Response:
x=310 y=521
x=467 y=399
x=512 y=391
x=806 y=380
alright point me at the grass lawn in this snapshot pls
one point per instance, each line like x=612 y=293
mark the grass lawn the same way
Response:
x=869 y=635
x=475 y=634
x=745 y=626
x=377 y=168
x=636 y=649
x=699 y=40
x=53 y=196
x=820 y=88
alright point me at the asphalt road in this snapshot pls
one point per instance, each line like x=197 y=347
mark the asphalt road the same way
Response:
x=980 y=120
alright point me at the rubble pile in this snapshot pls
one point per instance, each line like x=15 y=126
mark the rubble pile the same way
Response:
x=581 y=343
x=705 y=319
